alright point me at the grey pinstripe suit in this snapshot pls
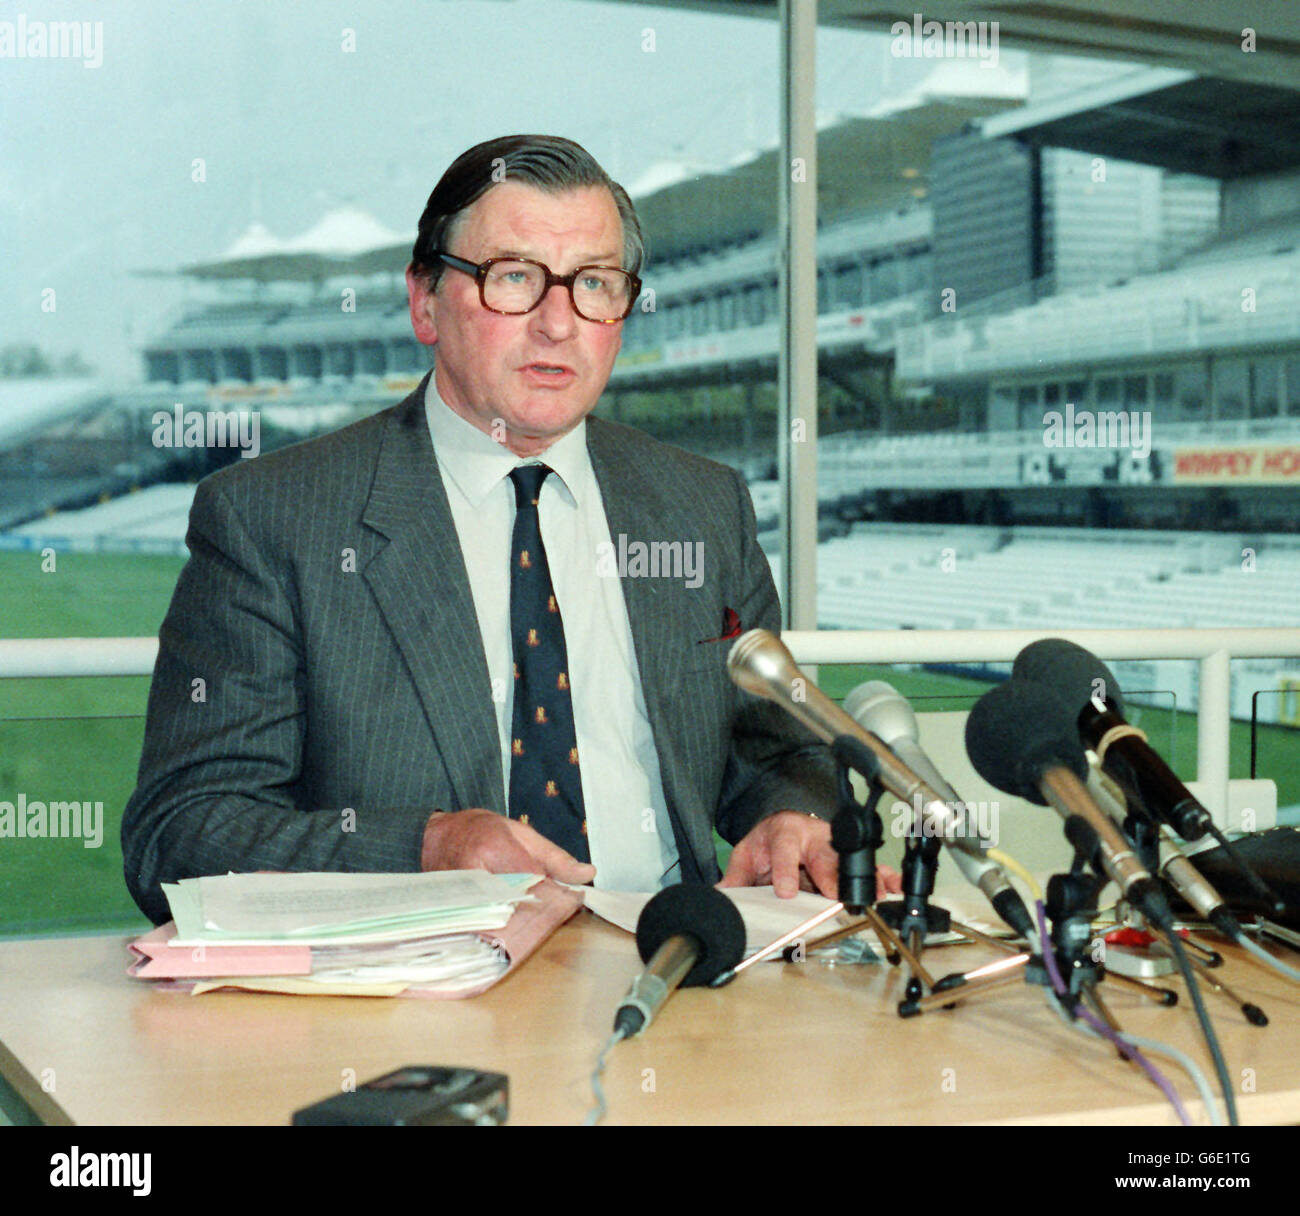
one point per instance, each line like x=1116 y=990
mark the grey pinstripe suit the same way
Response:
x=321 y=656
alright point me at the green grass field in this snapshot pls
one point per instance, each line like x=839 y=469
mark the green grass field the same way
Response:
x=79 y=739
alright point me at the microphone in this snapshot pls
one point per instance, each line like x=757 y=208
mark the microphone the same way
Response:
x=761 y=664
x=1082 y=679
x=879 y=708
x=1174 y=866
x=687 y=936
x=1016 y=742
x=1079 y=677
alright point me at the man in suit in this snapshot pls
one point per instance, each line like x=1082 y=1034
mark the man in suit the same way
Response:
x=438 y=638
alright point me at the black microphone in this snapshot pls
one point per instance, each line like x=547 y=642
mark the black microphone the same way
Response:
x=879 y=708
x=1080 y=678
x=1090 y=689
x=687 y=936
x=1016 y=741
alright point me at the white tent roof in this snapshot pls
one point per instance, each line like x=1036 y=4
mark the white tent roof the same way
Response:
x=344 y=233
x=346 y=240
x=257 y=240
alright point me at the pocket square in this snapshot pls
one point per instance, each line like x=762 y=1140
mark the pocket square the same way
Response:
x=731 y=628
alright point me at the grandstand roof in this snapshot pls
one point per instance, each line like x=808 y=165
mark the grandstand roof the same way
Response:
x=873 y=161
x=346 y=240
x=1202 y=36
x=1170 y=118
x=30 y=404
x=686 y=206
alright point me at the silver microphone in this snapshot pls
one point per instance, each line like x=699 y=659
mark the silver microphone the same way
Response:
x=761 y=664
x=878 y=707
x=1175 y=868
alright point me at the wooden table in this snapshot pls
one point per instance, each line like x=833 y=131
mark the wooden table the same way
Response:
x=82 y=1043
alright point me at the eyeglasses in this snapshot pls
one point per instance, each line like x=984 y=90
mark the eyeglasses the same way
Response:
x=517 y=285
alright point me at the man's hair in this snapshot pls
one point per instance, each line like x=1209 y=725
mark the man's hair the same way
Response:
x=546 y=162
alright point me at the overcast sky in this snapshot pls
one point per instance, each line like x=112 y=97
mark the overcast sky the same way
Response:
x=96 y=162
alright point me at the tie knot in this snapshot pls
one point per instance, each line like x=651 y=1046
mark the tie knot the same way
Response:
x=528 y=480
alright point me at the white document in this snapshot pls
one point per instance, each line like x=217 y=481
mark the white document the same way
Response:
x=326 y=907
x=768 y=917
x=765 y=914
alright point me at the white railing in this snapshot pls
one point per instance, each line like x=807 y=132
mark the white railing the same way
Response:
x=1213 y=648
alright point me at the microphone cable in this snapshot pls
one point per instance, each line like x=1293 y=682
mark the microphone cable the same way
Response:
x=1156 y=1047
x=1157 y=1077
x=1207 y=1031
x=1269 y=960
x=1181 y=1058
x=601 y=1109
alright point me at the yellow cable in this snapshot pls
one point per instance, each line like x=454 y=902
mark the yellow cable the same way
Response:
x=1007 y=862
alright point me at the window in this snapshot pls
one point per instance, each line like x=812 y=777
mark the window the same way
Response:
x=1002 y=408
x=1265 y=398
x=914 y=271
x=1191 y=392
x=1231 y=388
x=700 y=316
x=848 y=286
x=1031 y=413
x=884 y=280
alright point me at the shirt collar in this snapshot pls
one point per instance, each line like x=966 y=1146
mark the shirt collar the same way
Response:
x=477 y=463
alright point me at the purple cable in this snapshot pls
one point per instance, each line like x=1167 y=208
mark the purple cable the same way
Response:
x=1128 y=1050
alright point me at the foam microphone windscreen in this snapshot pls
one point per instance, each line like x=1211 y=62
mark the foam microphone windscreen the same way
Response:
x=1077 y=674
x=701 y=912
x=1015 y=732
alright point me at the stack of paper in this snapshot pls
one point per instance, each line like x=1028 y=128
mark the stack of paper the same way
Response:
x=449 y=933
x=767 y=917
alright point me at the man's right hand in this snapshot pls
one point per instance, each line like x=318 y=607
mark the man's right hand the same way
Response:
x=479 y=839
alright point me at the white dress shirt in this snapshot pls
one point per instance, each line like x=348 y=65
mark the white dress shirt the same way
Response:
x=628 y=830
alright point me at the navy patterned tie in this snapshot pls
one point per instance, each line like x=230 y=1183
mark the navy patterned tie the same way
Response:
x=545 y=782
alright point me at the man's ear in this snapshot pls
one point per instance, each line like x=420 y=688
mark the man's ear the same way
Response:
x=421 y=302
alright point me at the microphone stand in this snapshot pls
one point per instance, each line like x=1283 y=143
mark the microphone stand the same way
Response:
x=913 y=916
x=1153 y=960
x=1071 y=906
x=901 y=925
x=856 y=834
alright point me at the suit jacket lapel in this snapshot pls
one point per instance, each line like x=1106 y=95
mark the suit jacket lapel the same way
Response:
x=628 y=493
x=422 y=588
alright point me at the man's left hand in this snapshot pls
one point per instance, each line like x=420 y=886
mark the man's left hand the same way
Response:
x=793 y=852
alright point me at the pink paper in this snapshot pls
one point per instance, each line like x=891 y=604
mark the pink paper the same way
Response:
x=160 y=961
